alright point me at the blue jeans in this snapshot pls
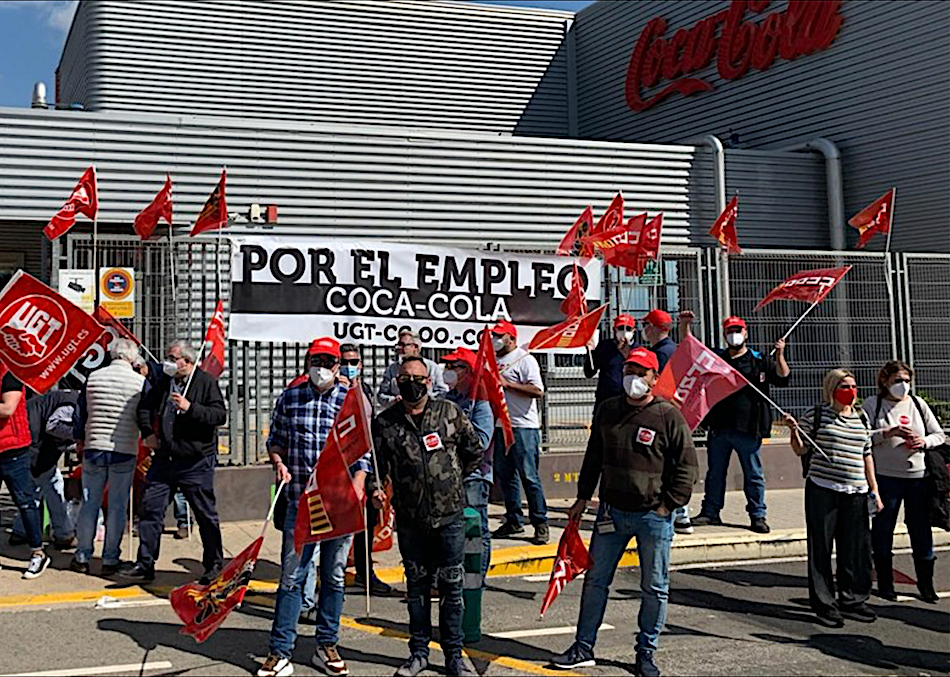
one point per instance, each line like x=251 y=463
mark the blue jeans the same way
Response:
x=521 y=463
x=95 y=475
x=15 y=471
x=654 y=536
x=476 y=497
x=916 y=498
x=293 y=573
x=310 y=588
x=719 y=449
x=424 y=552
x=49 y=488
x=180 y=504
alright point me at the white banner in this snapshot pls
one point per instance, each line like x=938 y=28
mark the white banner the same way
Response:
x=294 y=290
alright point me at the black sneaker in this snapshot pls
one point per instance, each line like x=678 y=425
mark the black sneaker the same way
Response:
x=38 y=563
x=79 y=567
x=575 y=657
x=109 y=569
x=209 y=576
x=507 y=529
x=458 y=666
x=541 y=535
x=413 y=666
x=703 y=520
x=136 y=572
x=683 y=526
x=645 y=667
x=759 y=525
x=830 y=618
x=859 y=612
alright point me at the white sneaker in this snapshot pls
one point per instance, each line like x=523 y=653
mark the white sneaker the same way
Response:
x=329 y=660
x=276 y=666
x=38 y=563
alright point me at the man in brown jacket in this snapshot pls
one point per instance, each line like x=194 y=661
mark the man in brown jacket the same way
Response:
x=641 y=452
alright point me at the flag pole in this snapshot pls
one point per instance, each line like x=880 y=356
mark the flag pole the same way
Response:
x=132 y=508
x=201 y=352
x=369 y=556
x=797 y=322
x=784 y=413
x=95 y=238
x=887 y=264
x=273 y=505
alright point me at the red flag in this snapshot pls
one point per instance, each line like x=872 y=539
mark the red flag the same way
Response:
x=161 y=207
x=724 y=229
x=574 y=332
x=216 y=337
x=695 y=379
x=203 y=608
x=106 y=319
x=42 y=335
x=575 y=303
x=571 y=245
x=330 y=505
x=648 y=245
x=875 y=218
x=386 y=524
x=806 y=285
x=572 y=560
x=84 y=199
x=214 y=214
x=612 y=218
x=486 y=385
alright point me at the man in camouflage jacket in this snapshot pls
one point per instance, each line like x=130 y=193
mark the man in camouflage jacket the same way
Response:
x=427 y=447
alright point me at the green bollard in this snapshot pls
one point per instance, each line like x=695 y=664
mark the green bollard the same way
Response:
x=472 y=586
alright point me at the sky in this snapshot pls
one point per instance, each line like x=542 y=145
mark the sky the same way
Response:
x=32 y=33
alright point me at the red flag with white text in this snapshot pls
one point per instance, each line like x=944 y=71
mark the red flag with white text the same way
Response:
x=572 y=245
x=572 y=560
x=203 y=608
x=575 y=303
x=648 y=245
x=214 y=214
x=42 y=334
x=574 y=332
x=106 y=319
x=724 y=229
x=811 y=286
x=216 y=338
x=160 y=207
x=873 y=219
x=84 y=199
x=486 y=385
x=695 y=379
x=612 y=218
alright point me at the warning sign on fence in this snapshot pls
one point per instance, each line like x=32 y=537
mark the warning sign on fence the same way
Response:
x=117 y=291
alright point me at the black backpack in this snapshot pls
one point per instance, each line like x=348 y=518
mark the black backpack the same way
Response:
x=816 y=415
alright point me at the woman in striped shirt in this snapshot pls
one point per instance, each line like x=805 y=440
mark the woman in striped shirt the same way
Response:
x=837 y=491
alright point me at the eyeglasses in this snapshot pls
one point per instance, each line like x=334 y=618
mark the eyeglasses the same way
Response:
x=350 y=363
x=325 y=361
x=405 y=378
x=404 y=345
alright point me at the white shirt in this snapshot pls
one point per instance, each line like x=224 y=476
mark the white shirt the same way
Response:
x=519 y=366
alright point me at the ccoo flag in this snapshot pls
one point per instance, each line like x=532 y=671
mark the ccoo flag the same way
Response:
x=160 y=207
x=724 y=229
x=84 y=199
x=572 y=560
x=575 y=303
x=875 y=218
x=696 y=379
x=806 y=285
x=486 y=385
x=574 y=332
x=572 y=244
x=214 y=215
x=216 y=337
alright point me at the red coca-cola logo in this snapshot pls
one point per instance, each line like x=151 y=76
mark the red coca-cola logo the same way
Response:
x=31 y=327
x=802 y=29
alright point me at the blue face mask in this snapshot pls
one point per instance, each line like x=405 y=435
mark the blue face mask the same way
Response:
x=350 y=371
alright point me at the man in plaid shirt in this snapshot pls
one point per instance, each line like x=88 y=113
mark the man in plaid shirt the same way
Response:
x=301 y=423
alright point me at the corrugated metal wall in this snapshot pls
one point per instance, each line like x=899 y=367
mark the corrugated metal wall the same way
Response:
x=334 y=180
x=430 y=64
x=881 y=92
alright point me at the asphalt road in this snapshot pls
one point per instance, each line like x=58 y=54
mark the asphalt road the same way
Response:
x=747 y=619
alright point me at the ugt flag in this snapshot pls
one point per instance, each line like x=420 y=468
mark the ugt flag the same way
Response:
x=696 y=379
x=160 y=207
x=572 y=560
x=486 y=385
x=873 y=219
x=84 y=199
x=216 y=338
x=203 y=608
x=806 y=285
x=214 y=214
x=42 y=335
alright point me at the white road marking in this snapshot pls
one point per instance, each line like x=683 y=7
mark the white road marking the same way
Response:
x=770 y=560
x=102 y=670
x=543 y=579
x=542 y=632
x=108 y=602
x=906 y=598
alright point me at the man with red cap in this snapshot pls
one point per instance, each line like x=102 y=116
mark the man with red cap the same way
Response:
x=608 y=357
x=521 y=379
x=300 y=424
x=641 y=453
x=739 y=423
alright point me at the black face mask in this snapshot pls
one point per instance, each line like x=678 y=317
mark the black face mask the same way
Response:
x=412 y=391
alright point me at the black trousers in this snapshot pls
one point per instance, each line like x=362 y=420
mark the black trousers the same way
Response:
x=195 y=479
x=359 y=545
x=837 y=519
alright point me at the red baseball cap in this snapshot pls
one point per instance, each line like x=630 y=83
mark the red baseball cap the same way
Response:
x=733 y=321
x=505 y=327
x=624 y=321
x=659 y=318
x=324 y=346
x=460 y=355
x=643 y=357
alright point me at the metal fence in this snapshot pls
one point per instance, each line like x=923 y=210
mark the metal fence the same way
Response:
x=886 y=306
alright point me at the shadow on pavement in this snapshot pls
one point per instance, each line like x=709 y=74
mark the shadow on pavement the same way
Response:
x=750 y=577
x=705 y=599
x=927 y=619
x=869 y=651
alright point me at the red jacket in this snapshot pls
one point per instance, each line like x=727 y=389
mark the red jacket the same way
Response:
x=15 y=430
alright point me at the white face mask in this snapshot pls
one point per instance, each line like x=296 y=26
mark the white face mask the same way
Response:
x=636 y=386
x=451 y=378
x=170 y=368
x=322 y=377
x=624 y=336
x=899 y=390
x=735 y=339
x=497 y=343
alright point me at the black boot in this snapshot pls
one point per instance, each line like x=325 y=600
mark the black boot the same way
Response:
x=925 y=579
x=884 y=565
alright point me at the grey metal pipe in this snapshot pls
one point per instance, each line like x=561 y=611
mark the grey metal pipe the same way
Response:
x=719 y=187
x=834 y=186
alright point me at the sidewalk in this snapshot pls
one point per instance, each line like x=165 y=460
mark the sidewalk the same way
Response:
x=180 y=560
